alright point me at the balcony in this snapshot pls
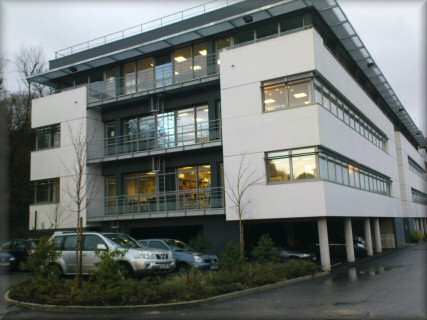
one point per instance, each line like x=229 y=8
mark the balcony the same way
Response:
x=153 y=142
x=180 y=203
x=168 y=76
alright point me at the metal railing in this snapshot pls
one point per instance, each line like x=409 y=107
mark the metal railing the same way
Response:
x=157 y=139
x=179 y=200
x=153 y=78
x=147 y=26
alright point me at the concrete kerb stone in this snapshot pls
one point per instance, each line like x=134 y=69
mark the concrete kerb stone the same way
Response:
x=161 y=306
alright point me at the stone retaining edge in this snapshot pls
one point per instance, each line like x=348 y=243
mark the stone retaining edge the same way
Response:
x=162 y=306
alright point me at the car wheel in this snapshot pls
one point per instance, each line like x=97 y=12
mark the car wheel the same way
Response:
x=182 y=268
x=126 y=270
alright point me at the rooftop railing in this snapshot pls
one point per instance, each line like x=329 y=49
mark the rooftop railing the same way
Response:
x=150 y=204
x=141 y=82
x=147 y=26
x=160 y=138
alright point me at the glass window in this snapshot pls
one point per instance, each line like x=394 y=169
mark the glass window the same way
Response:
x=183 y=64
x=351 y=175
x=345 y=173
x=145 y=73
x=304 y=167
x=202 y=123
x=331 y=169
x=318 y=96
x=158 y=245
x=147 y=133
x=275 y=97
x=48 y=137
x=340 y=112
x=69 y=243
x=346 y=115
x=163 y=70
x=46 y=191
x=166 y=130
x=290 y=23
x=333 y=107
x=110 y=83
x=279 y=170
x=243 y=36
x=356 y=177
x=338 y=171
x=129 y=73
x=299 y=93
x=200 y=60
x=326 y=101
x=223 y=43
x=90 y=242
x=266 y=30
x=322 y=166
x=186 y=130
x=362 y=180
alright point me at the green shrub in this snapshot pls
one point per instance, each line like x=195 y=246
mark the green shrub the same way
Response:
x=230 y=258
x=199 y=243
x=264 y=252
x=40 y=263
x=416 y=236
x=109 y=273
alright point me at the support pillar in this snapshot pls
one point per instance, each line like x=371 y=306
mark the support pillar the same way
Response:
x=422 y=225
x=368 y=237
x=325 y=258
x=417 y=227
x=349 y=240
x=377 y=234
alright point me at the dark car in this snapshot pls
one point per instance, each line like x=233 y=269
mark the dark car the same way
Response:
x=286 y=254
x=185 y=256
x=20 y=249
x=7 y=262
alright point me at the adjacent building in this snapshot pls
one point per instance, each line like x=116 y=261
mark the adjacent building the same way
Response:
x=172 y=120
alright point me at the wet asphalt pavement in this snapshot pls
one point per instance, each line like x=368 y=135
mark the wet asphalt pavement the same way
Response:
x=388 y=286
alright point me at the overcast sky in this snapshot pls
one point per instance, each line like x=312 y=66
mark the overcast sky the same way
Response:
x=392 y=31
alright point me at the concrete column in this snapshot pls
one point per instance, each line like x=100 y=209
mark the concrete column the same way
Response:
x=422 y=225
x=377 y=233
x=417 y=227
x=325 y=258
x=368 y=237
x=349 y=240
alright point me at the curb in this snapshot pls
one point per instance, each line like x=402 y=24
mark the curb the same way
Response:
x=161 y=306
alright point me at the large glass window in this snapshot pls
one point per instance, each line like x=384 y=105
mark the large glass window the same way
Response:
x=200 y=60
x=299 y=93
x=416 y=168
x=243 y=36
x=163 y=70
x=48 y=137
x=129 y=72
x=275 y=97
x=183 y=64
x=46 y=191
x=309 y=163
x=266 y=30
x=145 y=73
x=192 y=181
x=281 y=94
x=110 y=83
x=302 y=162
x=290 y=23
x=418 y=196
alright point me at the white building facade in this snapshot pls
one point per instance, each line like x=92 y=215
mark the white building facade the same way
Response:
x=282 y=89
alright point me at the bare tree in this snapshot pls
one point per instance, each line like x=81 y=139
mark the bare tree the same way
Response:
x=57 y=216
x=28 y=62
x=236 y=191
x=81 y=187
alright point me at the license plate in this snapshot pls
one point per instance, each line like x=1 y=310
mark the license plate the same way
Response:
x=164 y=266
x=214 y=267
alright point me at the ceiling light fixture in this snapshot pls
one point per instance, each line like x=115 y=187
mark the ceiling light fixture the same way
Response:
x=180 y=59
x=203 y=52
x=300 y=95
x=269 y=101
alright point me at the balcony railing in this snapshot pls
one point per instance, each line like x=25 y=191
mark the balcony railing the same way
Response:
x=198 y=133
x=144 y=81
x=151 y=25
x=152 y=203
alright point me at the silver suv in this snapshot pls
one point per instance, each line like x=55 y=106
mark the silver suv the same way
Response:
x=138 y=260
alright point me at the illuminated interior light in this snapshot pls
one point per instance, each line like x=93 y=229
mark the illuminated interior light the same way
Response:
x=206 y=110
x=300 y=95
x=219 y=62
x=269 y=101
x=199 y=120
x=203 y=52
x=306 y=102
x=183 y=114
x=197 y=67
x=176 y=72
x=180 y=59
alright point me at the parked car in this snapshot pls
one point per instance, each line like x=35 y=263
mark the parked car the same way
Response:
x=7 y=262
x=137 y=260
x=185 y=256
x=286 y=254
x=338 y=249
x=20 y=249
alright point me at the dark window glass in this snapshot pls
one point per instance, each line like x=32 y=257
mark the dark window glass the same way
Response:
x=69 y=243
x=291 y=23
x=158 y=245
x=90 y=242
x=266 y=30
x=244 y=36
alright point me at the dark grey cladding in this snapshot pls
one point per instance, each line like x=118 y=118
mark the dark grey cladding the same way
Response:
x=152 y=35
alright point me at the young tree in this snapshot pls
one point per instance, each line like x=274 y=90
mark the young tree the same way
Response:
x=236 y=191
x=81 y=187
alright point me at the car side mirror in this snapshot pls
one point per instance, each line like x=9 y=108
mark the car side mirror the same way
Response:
x=101 y=247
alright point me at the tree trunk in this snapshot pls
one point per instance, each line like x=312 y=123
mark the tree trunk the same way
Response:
x=77 y=252
x=242 y=243
x=81 y=253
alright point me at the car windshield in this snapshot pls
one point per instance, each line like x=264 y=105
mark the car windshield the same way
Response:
x=123 y=240
x=177 y=245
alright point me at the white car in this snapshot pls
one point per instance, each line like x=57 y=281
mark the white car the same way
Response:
x=137 y=260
